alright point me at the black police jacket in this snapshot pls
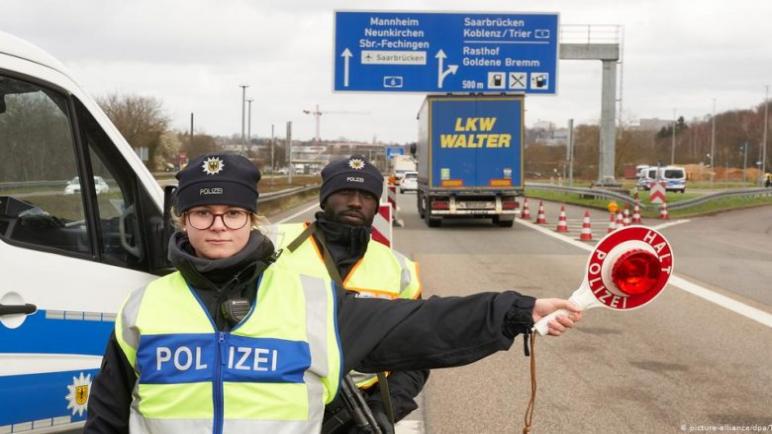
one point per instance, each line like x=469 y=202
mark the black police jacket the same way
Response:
x=376 y=335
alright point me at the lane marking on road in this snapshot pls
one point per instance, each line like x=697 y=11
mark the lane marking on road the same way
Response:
x=315 y=205
x=735 y=306
x=728 y=303
x=409 y=427
x=669 y=224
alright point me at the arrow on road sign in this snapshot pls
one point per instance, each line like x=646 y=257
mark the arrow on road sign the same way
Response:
x=440 y=73
x=346 y=57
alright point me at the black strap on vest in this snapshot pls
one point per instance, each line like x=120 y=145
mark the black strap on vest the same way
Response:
x=383 y=387
x=301 y=238
x=332 y=270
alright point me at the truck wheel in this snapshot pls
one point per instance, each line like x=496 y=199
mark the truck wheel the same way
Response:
x=431 y=222
x=420 y=204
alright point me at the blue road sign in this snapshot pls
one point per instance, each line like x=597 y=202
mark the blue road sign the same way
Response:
x=446 y=52
x=394 y=150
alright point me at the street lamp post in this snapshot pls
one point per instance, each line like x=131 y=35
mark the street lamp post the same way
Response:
x=570 y=156
x=713 y=143
x=672 y=146
x=243 y=106
x=764 y=138
x=249 y=120
x=745 y=159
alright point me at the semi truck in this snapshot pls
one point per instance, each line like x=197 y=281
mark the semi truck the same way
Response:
x=470 y=157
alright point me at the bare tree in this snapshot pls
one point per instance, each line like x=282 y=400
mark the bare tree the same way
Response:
x=201 y=144
x=140 y=119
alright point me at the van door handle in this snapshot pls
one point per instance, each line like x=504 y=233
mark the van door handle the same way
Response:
x=16 y=309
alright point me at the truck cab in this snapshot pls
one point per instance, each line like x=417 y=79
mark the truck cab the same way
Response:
x=69 y=255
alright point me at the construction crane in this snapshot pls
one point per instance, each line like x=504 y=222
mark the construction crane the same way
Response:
x=318 y=114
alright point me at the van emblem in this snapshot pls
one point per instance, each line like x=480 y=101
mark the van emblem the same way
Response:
x=77 y=399
x=213 y=166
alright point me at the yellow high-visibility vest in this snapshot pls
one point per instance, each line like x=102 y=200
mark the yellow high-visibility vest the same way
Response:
x=381 y=272
x=273 y=372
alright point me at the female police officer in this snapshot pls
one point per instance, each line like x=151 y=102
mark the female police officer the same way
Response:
x=229 y=344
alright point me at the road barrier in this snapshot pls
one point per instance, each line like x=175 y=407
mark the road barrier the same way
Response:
x=586 y=234
x=562 y=223
x=526 y=212
x=382 y=229
x=541 y=219
x=663 y=215
x=612 y=222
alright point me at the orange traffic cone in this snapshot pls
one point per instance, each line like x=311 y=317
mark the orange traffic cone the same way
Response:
x=586 y=234
x=663 y=215
x=526 y=214
x=636 y=214
x=540 y=219
x=562 y=223
x=626 y=218
x=612 y=225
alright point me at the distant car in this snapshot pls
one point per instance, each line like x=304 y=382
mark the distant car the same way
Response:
x=409 y=182
x=646 y=178
x=674 y=178
x=73 y=185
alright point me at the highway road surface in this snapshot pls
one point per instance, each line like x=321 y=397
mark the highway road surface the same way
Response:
x=698 y=357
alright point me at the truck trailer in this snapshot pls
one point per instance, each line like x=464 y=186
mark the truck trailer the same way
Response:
x=470 y=157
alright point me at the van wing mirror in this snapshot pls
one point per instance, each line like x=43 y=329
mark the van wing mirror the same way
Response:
x=163 y=232
x=170 y=196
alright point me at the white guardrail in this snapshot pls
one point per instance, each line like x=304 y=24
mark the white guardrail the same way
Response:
x=281 y=194
x=622 y=197
x=584 y=191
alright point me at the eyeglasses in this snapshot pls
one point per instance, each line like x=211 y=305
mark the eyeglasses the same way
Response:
x=203 y=219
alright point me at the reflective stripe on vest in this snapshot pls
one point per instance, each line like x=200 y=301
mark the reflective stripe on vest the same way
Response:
x=272 y=373
x=381 y=273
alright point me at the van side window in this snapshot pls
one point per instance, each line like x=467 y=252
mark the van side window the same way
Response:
x=41 y=199
x=119 y=233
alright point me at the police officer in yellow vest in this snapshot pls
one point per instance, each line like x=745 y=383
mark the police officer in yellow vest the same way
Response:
x=338 y=245
x=231 y=343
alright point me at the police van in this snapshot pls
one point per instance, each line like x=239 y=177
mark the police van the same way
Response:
x=674 y=178
x=68 y=258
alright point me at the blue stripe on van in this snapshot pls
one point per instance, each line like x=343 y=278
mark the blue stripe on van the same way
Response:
x=26 y=398
x=56 y=336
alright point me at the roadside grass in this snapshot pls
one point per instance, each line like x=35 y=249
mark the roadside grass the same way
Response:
x=719 y=205
x=711 y=207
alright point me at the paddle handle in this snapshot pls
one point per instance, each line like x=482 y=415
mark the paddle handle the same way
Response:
x=582 y=297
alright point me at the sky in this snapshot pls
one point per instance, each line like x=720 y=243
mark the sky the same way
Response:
x=678 y=55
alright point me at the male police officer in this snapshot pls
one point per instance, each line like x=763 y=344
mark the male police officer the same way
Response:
x=338 y=244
